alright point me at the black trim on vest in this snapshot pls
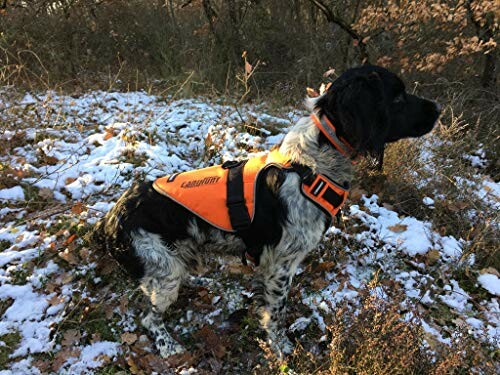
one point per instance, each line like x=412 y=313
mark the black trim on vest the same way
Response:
x=235 y=198
x=237 y=209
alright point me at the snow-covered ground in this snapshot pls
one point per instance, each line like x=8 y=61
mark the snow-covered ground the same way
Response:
x=67 y=159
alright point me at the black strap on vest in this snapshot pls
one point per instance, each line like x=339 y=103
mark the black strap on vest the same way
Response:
x=235 y=201
x=235 y=198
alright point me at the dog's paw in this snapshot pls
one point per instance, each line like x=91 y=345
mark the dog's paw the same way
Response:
x=169 y=348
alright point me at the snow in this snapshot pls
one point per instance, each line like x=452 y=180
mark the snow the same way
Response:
x=91 y=357
x=490 y=282
x=428 y=201
x=105 y=141
x=15 y=192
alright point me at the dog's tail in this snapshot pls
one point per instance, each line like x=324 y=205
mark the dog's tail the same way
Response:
x=96 y=237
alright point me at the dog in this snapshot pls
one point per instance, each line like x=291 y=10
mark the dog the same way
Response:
x=159 y=241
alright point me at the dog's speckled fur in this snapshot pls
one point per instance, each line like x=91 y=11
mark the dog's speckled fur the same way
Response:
x=159 y=242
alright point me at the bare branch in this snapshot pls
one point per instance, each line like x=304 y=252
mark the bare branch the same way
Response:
x=333 y=18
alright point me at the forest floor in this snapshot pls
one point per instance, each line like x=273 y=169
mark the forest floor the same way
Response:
x=64 y=161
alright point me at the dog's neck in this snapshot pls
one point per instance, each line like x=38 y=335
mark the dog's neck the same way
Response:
x=301 y=145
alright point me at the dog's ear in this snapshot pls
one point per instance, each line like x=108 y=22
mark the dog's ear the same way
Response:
x=359 y=110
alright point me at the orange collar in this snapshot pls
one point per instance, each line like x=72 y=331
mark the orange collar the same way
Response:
x=340 y=144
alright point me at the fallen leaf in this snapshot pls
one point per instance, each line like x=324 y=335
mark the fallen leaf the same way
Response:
x=133 y=368
x=71 y=337
x=123 y=304
x=433 y=256
x=388 y=206
x=69 y=180
x=356 y=193
x=62 y=356
x=78 y=208
x=129 y=338
x=237 y=269
x=109 y=133
x=319 y=283
x=70 y=239
x=96 y=337
x=491 y=270
x=46 y=193
x=324 y=266
x=212 y=341
x=398 y=228
x=457 y=206
x=69 y=256
x=51 y=160
x=108 y=311
x=55 y=300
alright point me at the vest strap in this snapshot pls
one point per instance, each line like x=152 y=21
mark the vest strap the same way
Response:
x=237 y=209
x=235 y=198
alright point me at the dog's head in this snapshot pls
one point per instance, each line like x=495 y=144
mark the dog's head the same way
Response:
x=369 y=107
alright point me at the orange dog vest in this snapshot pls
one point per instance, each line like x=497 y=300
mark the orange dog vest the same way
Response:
x=224 y=195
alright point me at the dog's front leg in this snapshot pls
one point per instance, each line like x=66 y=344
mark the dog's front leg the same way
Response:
x=272 y=285
x=162 y=292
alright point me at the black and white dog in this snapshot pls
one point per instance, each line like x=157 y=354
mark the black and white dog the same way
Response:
x=159 y=241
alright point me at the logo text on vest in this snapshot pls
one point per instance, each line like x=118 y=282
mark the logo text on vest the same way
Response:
x=205 y=181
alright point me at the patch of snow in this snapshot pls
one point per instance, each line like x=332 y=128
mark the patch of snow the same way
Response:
x=14 y=193
x=490 y=282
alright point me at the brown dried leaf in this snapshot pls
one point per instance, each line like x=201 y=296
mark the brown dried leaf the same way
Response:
x=212 y=341
x=433 y=256
x=319 y=283
x=71 y=337
x=388 y=206
x=69 y=256
x=70 y=239
x=237 y=269
x=133 y=368
x=46 y=193
x=129 y=338
x=398 y=228
x=51 y=287
x=78 y=208
x=457 y=206
x=324 y=267
x=356 y=193
x=50 y=160
x=183 y=359
x=123 y=304
x=55 y=300
x=491 y=270
x=62 y=356
x=108 y=311
x=69 y=180
x=109 y=133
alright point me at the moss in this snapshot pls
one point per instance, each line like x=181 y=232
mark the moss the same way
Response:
x=11 y=341
x=4 y=244
x=19 y=275
x=96 y=322
x=112 y=369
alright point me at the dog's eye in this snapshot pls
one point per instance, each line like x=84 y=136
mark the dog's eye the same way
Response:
x=399 y=99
